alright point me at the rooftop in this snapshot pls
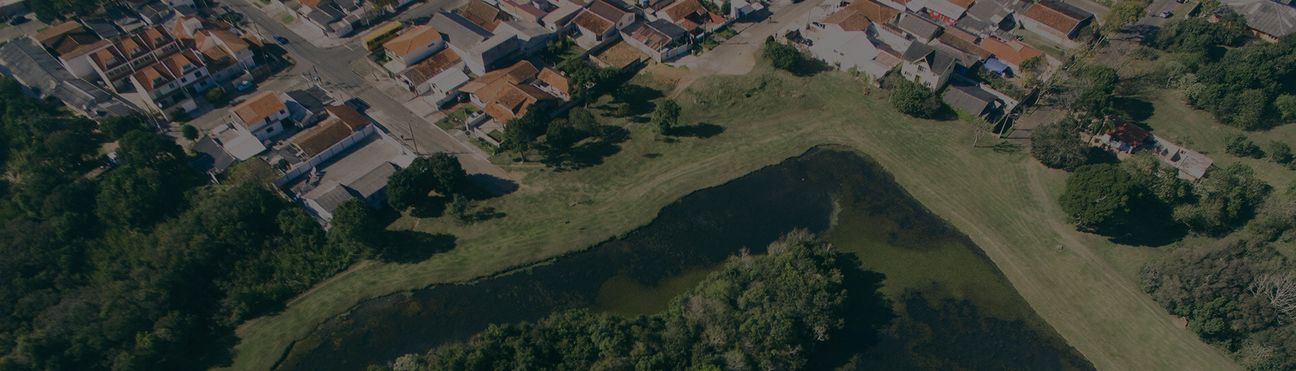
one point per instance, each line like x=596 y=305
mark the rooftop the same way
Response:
x=411 y=40
x=316 y=139
x=1057 y=15
x=432 y=66
x=258 y=107
x=1266 y=16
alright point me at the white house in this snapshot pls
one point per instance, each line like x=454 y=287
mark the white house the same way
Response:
x=412 y=46
x=262 y=114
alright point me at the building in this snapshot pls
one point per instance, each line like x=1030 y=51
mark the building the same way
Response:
x=987 y=16
x=946 y=11
x=533 y=11
x=172 y=81
x=599 y=23
x=32 y=66
x=337 y=17
x=229 y=56
x=922 y=29
x=482 y=14
x=689 y=15
x=506 y=93
x=1056 y=21
x=1267 y=20
x=341 y=123
x=1009 y=53
x=660 y=40
x=927 y=66
x=412 y=46
x=436 y=78
x=262 y=115
x=971 y=100
x=479 y=49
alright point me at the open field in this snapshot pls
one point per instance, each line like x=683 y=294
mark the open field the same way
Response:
x=1004 y=201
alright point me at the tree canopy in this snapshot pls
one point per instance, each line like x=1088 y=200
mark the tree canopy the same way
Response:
x=1099 y=197
x=915 y=100
x=1058 y=145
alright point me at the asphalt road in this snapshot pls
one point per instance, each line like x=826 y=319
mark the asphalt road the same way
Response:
x=344 y=69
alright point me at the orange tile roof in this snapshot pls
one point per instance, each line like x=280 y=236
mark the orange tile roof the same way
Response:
x=353 y=119
x=556 y=80
x=50 y=34
x=232 y=41
x=154 y=37
x=259 y=107
x=1045 y=14
x=412 y=39
x=319 y=138
x=1012 y=51
x=107 y=58
x=432 y=66
x=874 y=11
x=77 y=45
x=152 y=74
x=592 y=22
x=175 y=63
x=850 y=20
x=481 y=13
x=130 y=47
x=683 y=8
x=962 y=40
x=516 y=74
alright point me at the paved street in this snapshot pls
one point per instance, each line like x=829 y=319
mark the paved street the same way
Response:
x=344 y=69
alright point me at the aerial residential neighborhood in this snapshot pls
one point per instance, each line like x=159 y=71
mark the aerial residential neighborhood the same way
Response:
x=648 y=184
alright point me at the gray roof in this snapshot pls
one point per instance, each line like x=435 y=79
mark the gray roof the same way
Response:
x=919 y=26
x=312 y=99
x=374 y=181
x=1266 y=16
x=991 y=11
x=675 y=32
x=939 y=60
x=35 y=68
x=459 y=31
x=105 y=29
x=968 y=99
x=216 y=158
x=334 y=197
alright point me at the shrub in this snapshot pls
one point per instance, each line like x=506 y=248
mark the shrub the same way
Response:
x=1059 y=146
x=915 y=100
x=1280 y=152
x=1239 y=145
x=189 y=131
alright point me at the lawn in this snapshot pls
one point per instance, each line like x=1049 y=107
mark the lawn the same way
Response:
x=1082 y=285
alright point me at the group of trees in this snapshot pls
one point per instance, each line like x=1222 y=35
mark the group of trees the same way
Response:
x=1278 y=152
x=1238 y=293
x=915 y=100
x=140 y=267
x=1114 y=198
x=786 y=57
x=1251 y=86
x=440 y=172
x=769 y=312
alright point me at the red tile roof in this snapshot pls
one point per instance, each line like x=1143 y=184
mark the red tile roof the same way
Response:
x=259 y=107
x=1011 y=52
x=1047 y=14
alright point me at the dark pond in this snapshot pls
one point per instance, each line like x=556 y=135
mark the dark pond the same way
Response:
x=955 y=310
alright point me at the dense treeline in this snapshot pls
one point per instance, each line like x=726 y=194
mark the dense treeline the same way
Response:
x=1249 y=86
x=141 y=266
x=772 y=312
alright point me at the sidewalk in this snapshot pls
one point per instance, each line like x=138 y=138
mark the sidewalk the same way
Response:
x=295 y=23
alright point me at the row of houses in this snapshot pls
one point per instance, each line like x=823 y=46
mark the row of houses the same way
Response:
x=164 y=66
x=934 y=42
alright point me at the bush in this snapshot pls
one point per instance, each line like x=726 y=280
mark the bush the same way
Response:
x=1059 y=146
x=785 y=57
x=1226 y=199
x=116 y=127
x=1239 y=145
x=1280 y=152
x=915 y=100
x=216 y=96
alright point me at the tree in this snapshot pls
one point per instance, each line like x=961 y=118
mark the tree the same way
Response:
x=116 y=127
x=914 y=100
x=447 y=174
x=1099 y=197
x=355 y=225
x=1286 y=105
x=783 y=56
x=216 y=96
x=1159 y=180
x=144 y=149
x=1280 y=152
x=1094 y=88
x=459 y=208
x=440 y=172
x=666 y=116
x=1226 y=199
x=1239 y=145
x=189 y=131
x=137 y=197
x=1059 y=146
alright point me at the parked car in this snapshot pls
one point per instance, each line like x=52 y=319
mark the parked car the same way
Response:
x=281 y=40
x=357 y=104
x=17 y=20
x=1165 y=14
x=244 y=85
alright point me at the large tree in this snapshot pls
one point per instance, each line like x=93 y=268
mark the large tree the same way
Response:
x=1226 y=199
x=666 y=116
x=914 y=100
x=1100 y=197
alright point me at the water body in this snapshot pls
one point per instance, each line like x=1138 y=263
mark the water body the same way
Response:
x=955 y=309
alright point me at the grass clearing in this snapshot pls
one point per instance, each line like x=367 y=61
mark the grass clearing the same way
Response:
x=1086 y=291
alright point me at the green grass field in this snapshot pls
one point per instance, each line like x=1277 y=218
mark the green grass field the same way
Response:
x=1005 y=202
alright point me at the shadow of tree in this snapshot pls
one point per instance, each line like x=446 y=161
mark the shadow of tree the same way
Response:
x=591 y=151
x=488 y=186
x=412 y=246
x=1136 y=108
x=699 y=130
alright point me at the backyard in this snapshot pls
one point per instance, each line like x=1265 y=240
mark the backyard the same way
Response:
x=1081 y=284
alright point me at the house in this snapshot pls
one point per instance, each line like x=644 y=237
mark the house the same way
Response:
x=741 y=8
x=847 y=19
x=482 y=14
x=412 y=46
x=438 y=77
x=237 y=141
x=530 y=36
x=1056 y=21
x=341 y=123
x=560 y=19
x=326 y=201
x=599 y=23
x=926 y=65
x=987 y=16
x=532 y=11
x=43 y=76
x=371 y=187
x=963 y=45
x=229 y=55
x=480 y=49
x=337 y=17
x=920 y=28
x=554 y=82
x=874 y=11
x=129 y=54
x=173 y=80
x=1010 y=53
x=688 y=14
x=849 y=50
x=262 y=115
x=1124 y=137
x=947 y=11
x=506 y=93
x=659 y=39
x=1266 y=20
x=970 y=100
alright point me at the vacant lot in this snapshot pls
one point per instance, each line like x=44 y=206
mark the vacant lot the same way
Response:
x=1082 y=285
